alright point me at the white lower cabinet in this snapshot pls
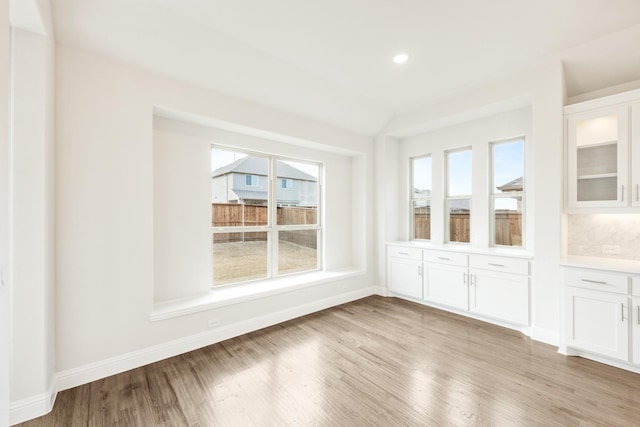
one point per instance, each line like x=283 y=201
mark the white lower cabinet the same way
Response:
x=447 y=285
x=602 y=315
x=503 y=296
x=404 y=271
x=597 y=322
x=492 y=287
x=405 y=277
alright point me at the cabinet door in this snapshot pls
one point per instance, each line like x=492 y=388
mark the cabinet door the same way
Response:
x=597 y=322
x=635 y=155
x=446 y=285
x=635 y=319
x=503 y=296
x=597 y=152
x=405 y=277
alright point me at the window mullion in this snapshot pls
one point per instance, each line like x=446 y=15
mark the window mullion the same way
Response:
x=273 y=218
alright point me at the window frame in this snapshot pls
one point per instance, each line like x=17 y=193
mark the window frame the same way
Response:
x=448 y=198
x=413 y=200
x=494 y=195
x=272 y=229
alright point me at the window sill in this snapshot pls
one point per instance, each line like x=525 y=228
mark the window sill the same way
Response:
x=234 y=294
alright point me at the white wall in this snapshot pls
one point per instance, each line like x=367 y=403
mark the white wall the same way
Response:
x=105 y=213
x=542 y=88
x=32 y=229
x=5 y=318
x=182 y=263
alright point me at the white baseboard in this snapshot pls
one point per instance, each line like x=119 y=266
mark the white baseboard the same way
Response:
x=94 y=371
x=546 y=336
x=34 y=406
x=603 y=359
x=381 y=290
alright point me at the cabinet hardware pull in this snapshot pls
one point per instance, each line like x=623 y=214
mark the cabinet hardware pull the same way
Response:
x=496 y=265
x=637 y=193
x=622 y=192
x=638 y=314
x=597 y=282
x=444 y=258
x=403 y=253
x=419 y=270
x=464 y=281
x=622 y=311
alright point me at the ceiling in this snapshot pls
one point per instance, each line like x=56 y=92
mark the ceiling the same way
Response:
x=331 y=60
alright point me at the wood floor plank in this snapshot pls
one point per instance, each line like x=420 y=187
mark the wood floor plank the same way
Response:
x=373 y=362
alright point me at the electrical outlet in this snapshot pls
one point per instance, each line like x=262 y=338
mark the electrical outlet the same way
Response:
x=610 y=249
x=214 y=323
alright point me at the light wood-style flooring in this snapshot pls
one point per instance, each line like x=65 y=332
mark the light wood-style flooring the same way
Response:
x=373 y=362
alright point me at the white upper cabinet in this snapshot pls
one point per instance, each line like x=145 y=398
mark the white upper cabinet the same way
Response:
x=635 y=155
x=603 y=153
x=598 y=146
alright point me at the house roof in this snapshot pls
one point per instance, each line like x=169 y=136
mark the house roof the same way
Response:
x=259 y=166
x=515 y=185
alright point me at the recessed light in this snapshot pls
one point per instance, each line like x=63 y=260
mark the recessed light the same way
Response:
x=400 y=58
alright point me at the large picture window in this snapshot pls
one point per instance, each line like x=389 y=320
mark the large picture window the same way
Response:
x=270 y=229
x=458 y=195
x=421 y=197
x=507 y=192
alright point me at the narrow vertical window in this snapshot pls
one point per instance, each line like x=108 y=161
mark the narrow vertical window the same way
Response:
x=507 y=192
x=421 y=198
x=458 y=198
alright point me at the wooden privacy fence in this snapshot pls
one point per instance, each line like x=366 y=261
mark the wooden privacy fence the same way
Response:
x=508 y=227
x=236 y=215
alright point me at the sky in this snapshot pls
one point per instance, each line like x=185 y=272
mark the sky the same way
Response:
x=508 y=161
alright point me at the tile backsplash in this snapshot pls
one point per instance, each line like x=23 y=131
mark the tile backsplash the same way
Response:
x=586 y=235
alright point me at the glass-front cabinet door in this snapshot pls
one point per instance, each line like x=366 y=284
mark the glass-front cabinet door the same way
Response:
x=598 y=157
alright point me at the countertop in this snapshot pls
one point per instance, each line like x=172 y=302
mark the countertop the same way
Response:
x=501 y=251
x=609 y=264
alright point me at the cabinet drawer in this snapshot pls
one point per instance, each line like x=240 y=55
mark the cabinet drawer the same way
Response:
x=404 y=252
x=443 y=257
x=635 y=286
x=593 y=279
x=496 y=263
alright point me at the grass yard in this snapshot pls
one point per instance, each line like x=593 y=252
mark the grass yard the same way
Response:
x=240 y=261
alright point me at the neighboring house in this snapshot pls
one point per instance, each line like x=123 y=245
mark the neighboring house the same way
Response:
x=245 y=182
x=511 y=187
x=421 y=192
x=515 y=185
